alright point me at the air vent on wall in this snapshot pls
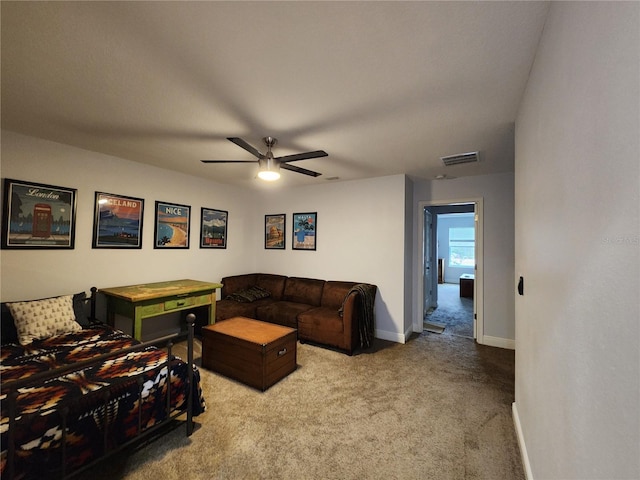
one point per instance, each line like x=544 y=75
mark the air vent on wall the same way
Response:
x=470 y=157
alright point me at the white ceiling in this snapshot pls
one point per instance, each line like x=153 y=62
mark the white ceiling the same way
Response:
x=384 y=87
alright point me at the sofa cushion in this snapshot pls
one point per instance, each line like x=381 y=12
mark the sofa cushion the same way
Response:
x=273 y=283
x=334 y=293
x=320 y=319
x=303 y=290
x=237 y=283
x=283 y=313
x=324 y=326
x=230 y=308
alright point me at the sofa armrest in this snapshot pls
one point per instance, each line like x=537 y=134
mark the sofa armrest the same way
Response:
x=333 y=325
x=350 y=318
x=349 y=307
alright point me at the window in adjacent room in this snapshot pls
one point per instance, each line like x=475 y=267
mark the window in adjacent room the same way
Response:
x=462 y=246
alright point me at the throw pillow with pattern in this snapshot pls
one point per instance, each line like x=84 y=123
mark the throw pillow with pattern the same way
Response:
x=249 y=295
x=38 y=319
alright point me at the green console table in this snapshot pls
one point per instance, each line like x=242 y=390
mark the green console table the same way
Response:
x=149 y=300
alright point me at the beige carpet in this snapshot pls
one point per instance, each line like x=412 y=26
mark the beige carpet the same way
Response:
x=438 y=407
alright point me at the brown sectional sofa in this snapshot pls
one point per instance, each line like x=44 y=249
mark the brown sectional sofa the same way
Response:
x=324 y=312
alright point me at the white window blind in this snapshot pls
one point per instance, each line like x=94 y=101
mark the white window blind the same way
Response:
x=462 y=247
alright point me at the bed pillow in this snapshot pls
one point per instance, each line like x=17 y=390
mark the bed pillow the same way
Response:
x=39 y=319
x=9 y=334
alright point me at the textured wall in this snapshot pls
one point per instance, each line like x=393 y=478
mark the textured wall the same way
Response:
x=577 y=246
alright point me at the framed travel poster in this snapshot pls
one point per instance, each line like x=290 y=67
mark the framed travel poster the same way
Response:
x=305 y=230
x=38 y=216
x=275 y=228
x=172 y=225
x=213 y=228
x=117 y=221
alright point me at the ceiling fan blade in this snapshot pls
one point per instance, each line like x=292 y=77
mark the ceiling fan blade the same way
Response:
x=304 y=171
x=242 y=144
x=303 y=156
x=228 y=161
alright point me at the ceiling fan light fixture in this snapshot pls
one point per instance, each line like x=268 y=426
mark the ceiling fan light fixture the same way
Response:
x=269 y=168
x=268 y=175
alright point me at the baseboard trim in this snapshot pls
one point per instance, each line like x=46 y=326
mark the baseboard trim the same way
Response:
x=391 y=336
x=486 y=339
x=498 y=342
x=523 y=447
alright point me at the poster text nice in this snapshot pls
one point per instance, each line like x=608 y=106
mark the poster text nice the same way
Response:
x=172 y=225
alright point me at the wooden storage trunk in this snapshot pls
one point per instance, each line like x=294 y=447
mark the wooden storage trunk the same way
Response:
x=466 y=285
x=255 y=353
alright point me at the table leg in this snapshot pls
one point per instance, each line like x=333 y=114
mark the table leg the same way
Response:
x=212 y=310
x=137 y=325
x=111 y=313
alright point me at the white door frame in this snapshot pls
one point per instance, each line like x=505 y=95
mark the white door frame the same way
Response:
x=426 y=265
x=478 y=284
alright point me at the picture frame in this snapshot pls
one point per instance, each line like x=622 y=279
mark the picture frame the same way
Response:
x=38 y=216
x=305 y=231
x=172 y=225
x=275 y=231
x=117 y=221
x=213 y=228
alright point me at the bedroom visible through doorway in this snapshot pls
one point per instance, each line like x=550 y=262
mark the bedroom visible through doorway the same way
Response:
x=450 y=251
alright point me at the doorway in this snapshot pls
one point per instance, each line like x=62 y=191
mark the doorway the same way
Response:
x=452 y=310
x=444 y=260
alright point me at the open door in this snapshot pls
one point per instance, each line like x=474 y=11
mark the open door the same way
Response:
x=427 y=271
x=475 y=283
x=428 y=262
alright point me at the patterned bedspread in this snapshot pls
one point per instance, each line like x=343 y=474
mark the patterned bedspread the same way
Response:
x=91 y=413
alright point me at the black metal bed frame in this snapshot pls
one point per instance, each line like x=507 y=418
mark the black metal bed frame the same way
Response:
x=11 y=388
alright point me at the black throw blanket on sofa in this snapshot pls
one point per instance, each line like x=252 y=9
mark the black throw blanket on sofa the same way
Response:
x=367 y=293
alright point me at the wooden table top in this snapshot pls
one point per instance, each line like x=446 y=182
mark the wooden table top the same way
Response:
x=148 y=291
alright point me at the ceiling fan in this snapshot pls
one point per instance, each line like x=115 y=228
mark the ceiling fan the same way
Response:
x=270 y=165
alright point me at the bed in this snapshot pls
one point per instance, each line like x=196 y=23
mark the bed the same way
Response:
x=75 y=391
